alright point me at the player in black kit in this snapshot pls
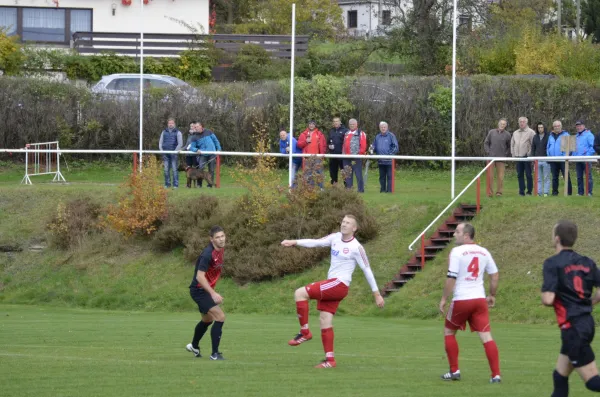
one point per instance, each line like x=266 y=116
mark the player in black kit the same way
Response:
x=569 y=279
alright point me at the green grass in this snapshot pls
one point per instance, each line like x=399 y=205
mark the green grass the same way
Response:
x=106 y=272
x=64 y=352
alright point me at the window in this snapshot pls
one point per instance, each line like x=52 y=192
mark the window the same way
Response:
x=386 y=17
x=8 y=20
x=45 y=25
x=352 y=19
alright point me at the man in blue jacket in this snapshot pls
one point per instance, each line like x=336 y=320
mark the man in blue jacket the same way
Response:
x=207 y=142
x=385 y=144
x=171 y=139
x=585 y=147
x=284 y=148
x=553 y=149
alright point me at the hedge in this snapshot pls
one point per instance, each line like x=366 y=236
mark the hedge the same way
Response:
x=416 y=108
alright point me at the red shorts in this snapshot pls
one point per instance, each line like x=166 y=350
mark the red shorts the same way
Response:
x=475 y=311
x=328 y=293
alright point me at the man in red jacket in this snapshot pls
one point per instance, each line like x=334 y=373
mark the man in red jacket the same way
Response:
x=312 y=141
x=355 y=142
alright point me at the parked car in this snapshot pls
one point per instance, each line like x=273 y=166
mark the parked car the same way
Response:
x=127 y=85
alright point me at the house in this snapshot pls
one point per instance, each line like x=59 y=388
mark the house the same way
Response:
x=54 y=21
x=362 y=17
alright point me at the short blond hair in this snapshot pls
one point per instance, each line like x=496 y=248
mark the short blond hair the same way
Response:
x=353 y=218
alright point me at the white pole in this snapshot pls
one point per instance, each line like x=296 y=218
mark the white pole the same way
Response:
x=141 y=81
x=454 y=20
x=291 y=131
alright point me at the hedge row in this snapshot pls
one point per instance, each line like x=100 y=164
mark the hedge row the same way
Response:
x=416 y=108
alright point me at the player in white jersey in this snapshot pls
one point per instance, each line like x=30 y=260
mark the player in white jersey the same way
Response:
x=468 y=261
x=346 y=253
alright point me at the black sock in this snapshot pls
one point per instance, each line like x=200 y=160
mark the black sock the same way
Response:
x=199 y=332
x=215 y=334
x=593 y=384
x=561 y=385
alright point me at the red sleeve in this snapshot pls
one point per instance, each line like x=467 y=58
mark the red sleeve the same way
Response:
x=301 y=143
x=322 y=144
x=363 y=143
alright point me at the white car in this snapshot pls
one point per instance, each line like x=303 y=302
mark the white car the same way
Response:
x=127 y=85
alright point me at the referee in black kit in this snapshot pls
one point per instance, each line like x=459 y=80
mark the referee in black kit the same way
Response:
x=206 y=274
x=568 y=282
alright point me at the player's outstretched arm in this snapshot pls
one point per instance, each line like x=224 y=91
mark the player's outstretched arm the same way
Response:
x=289 y=243
x=314 y=243
x=362 y=260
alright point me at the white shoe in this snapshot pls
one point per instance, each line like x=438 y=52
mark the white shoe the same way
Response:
x=191 y=349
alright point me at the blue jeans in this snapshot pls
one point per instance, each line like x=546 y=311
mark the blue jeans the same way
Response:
x=356 y=167
x=580 y=167
x=385 y=178
x=543 y=175
x=171 y=162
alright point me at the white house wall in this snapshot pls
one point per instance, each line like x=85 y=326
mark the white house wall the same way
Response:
x=157 y=14
x=368 y=15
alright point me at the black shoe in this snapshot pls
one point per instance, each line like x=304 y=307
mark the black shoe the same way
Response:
x=209 y=186
x=217 y=356
x=451 y=375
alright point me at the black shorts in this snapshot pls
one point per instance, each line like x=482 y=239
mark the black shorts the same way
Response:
x=203 y=299
x=577 y=340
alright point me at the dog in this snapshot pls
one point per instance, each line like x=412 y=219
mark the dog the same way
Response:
x=195 y=174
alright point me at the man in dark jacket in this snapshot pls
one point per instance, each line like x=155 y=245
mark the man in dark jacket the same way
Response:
x=497 y=144
x=539 y=147
x=335 y=144
x=170 y=139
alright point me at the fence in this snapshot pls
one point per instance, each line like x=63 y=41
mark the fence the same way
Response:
x=42 y=159
x=161 y=45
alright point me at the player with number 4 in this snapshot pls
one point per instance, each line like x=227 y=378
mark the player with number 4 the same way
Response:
x=468 y=261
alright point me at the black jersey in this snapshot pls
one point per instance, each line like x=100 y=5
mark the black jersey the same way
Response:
x=572 y=278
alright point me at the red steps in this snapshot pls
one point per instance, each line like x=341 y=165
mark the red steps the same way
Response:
x=433 y=246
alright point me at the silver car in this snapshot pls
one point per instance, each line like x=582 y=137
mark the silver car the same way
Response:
x=127 y=85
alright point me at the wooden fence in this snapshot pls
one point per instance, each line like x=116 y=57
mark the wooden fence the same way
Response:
x=169 y=45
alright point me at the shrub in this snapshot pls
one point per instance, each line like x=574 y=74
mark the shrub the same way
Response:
x=142 y=204
x=253 y=63
x=11 y=57
x=73 y=222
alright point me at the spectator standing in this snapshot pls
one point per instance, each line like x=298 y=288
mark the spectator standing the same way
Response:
x=385 y=144
x=171 y=140
x=539 y=147
x=355 y=142
x=553 y=150
x=312 y=141
x=520 y=147
x=284 y=148
x=585 y=147
x=497 y=144
x=207 y=142
x=191 y=159
x=335 y=144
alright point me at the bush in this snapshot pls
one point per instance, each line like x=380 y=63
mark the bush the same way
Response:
x=142 y=204
x=73 y=222
x=254 y=63
x=11 y=58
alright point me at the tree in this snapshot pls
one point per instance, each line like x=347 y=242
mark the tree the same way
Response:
x=317 y=18
x=590 y=11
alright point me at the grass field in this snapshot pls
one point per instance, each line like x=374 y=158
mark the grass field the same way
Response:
x=71 y=352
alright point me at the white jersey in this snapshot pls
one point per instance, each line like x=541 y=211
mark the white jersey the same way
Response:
x=467 y=264
x=345 y=255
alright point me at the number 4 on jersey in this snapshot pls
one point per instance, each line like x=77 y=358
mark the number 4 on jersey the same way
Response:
x=473 y=267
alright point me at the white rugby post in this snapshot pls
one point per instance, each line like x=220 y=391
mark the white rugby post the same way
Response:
x=453 y=166
x=291 y=131
x=141 y=81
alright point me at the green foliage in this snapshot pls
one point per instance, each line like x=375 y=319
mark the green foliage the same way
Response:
x=73 y=222
x=11 y=58
x=319 y=99
x=254 y=63
x=441 y=100
x=591 y=16
x=338 y=59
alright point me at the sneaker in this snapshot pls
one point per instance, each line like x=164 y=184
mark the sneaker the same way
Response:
x=217 y=356
x=191 y=349
x=496 y=379
x=326 y=364
x=299 y=339
x=451 y=375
